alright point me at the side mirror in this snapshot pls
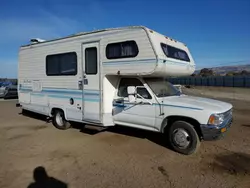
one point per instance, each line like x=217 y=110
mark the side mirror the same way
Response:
x=131 y=94
x=131 y=90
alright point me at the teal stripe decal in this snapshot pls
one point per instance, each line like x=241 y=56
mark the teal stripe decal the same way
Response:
x=176 y=106
x=76 y=92
x=91 y=100
x=129 y=62
x=66 y=97
x=147 y=61
x=38 y=94
x=70 y=92
x=166 y=61
x=25 y=89
x=156 y=104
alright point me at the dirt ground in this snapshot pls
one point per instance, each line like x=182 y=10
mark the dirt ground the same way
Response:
x=119 y=157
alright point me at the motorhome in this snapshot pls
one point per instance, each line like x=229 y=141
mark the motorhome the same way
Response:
x=117 y=76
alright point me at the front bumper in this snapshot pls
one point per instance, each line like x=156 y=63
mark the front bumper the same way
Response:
x=216 y=132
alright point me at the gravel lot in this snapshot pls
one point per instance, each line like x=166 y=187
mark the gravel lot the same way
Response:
x=119 y=157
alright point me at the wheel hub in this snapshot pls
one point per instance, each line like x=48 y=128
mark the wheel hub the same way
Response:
x=59 y=119
x=181 y=138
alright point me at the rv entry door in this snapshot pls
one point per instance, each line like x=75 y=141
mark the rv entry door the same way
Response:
x=91 y=82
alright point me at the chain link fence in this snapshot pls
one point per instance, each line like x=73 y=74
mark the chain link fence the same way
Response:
x=222 y=81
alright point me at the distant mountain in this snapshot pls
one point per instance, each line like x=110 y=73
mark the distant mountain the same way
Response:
x=225 y=69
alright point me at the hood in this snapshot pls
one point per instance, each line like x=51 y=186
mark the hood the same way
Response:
x=186 y=101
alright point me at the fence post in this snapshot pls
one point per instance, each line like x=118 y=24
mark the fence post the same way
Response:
x=233 y=81
x=244 y=81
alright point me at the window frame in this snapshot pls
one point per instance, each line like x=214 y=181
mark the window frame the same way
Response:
x=59 y=68
x=179 y=50
x=120 y=43
x=85 y=70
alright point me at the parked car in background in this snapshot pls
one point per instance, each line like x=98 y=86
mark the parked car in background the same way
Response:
x=6 y=83
x=8 y=92
x=2 y=91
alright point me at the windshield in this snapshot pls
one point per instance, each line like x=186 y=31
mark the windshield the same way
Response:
x=161 y=87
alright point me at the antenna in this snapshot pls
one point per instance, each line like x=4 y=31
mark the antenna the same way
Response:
x=36 y=40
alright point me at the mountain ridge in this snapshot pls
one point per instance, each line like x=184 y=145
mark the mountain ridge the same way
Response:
x=226 y=69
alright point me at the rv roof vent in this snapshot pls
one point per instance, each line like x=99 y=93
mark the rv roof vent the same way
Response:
x=36 y=40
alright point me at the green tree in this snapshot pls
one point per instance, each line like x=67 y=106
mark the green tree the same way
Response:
x=206 y=72
x=230 y=73
x=244 y=72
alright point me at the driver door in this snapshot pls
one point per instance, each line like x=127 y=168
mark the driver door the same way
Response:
x=140 y=114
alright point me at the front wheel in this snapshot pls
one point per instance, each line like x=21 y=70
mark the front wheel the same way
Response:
x=183 y=138
x=59 y=120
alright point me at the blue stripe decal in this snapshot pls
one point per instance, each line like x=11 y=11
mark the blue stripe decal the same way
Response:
x=91 y=100
x=76 y=92
x=76 y=98
x=64 y=97
x=67 y=97
x=88 y=93
x=62 y=91
x=25 y=89
x=176 y=106
x=115 y=104
x=148 y=61
x=165 y=61
x=130 y=61
x=156 y=104
x=37 y=94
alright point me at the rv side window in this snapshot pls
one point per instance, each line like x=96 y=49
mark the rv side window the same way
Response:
x=91 y=60
x=122 y=50
x=125 y=82
x=61 y=64
x=175 y=53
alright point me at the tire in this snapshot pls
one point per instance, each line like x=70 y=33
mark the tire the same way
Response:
x=183 y=138
x=59 y=120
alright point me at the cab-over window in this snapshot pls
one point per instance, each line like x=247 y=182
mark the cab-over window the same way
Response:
x=124 y=49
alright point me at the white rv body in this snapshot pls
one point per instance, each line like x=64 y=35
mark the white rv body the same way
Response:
x=82 y=76
x=41 y=93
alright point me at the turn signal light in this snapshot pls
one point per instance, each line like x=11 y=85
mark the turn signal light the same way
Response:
x=223 y=130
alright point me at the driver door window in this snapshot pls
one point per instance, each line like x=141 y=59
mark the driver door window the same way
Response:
x=125 y=82
x=144 y=93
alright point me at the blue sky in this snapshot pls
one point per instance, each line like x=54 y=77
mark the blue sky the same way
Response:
x=216 y=31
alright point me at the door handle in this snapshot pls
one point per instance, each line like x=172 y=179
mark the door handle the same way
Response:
x=80 y=84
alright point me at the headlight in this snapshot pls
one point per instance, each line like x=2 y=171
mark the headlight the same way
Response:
x=216 y=119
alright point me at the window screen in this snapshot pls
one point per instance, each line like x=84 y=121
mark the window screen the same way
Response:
x=122 y=50
x=61 y=64
x=175 y=53
x=91 y=60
